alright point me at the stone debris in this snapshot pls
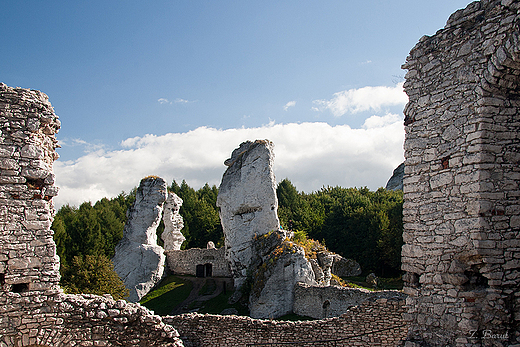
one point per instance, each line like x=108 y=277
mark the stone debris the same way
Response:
x=138 y=260
x=247 y=202
x=173 y=223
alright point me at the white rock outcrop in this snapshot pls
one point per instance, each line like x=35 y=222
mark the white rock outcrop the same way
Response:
x=173 y=223
x=248 y=203
x=279 y=265
x=138 y=260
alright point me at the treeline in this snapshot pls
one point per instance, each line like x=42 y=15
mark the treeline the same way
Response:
x=356 y=223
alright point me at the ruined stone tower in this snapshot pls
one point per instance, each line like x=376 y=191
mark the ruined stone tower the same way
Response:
x=33 y=309
x=461 y=184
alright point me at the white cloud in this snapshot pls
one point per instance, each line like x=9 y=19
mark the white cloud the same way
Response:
x=163 y=101
x=363 y=99
x=181 y=101
x=289 y=104
x=309 y=154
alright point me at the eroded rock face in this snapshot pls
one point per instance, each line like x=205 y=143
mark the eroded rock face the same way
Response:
x=396 y=181
x=138 y=260
x=325 y=259
x=173 y=223
x=344 y=267
x=279 y=265
x=248 y=203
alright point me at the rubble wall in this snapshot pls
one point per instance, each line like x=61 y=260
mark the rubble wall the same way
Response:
x=332 y=301
x=376 y=323
x=461 y=184
x=33 y=309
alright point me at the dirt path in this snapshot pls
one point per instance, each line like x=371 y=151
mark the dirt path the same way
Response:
x=198 y=283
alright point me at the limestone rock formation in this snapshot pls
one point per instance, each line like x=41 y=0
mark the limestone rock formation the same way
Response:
x=396 y=181
x=138 y=260
x=173 y=223
x=344 y=267
x=325 y=260
x=279 y=265
x=248 y=203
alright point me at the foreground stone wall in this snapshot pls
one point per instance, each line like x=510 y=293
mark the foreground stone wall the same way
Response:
x=461 y=184
x=33 y=309
x=377 y=323
x=332 y=301
x=184 y=262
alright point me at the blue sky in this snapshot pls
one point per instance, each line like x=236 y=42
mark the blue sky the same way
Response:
x=172 y=87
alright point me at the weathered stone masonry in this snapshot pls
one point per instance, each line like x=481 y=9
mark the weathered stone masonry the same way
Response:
x=33 y=309
x=373 y=323
x=461 y=184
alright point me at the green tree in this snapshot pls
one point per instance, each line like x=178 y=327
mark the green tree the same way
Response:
x=93 y=274
x=200 y=215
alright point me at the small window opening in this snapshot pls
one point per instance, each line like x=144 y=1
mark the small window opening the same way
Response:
x=476 y=281
x=2 y=279
x=35 y=183
x=20 y=287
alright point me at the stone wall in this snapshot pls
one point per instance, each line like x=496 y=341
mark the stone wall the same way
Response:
x=461 y=184
x=332 y=301
x=33 y=309
x=376 y=323
x=184 y=262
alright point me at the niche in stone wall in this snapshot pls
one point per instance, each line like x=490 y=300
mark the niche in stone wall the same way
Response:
x=20 y=287
x=2 y=279
x=412 y=280
x=476 y=281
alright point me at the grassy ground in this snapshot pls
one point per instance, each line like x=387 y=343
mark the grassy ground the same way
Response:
x=218 y=304
x=384 y=283
x=170 y=293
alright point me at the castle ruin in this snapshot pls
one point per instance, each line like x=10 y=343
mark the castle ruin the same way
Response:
x=461 y=183
x=461 y=216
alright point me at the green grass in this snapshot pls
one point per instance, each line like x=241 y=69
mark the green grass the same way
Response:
x=219 y=303
x=384 y=283
x=170 y=293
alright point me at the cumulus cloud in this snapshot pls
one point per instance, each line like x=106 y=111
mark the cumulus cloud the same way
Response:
x=363 y=99
x=289 y=104
x=311 y=155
